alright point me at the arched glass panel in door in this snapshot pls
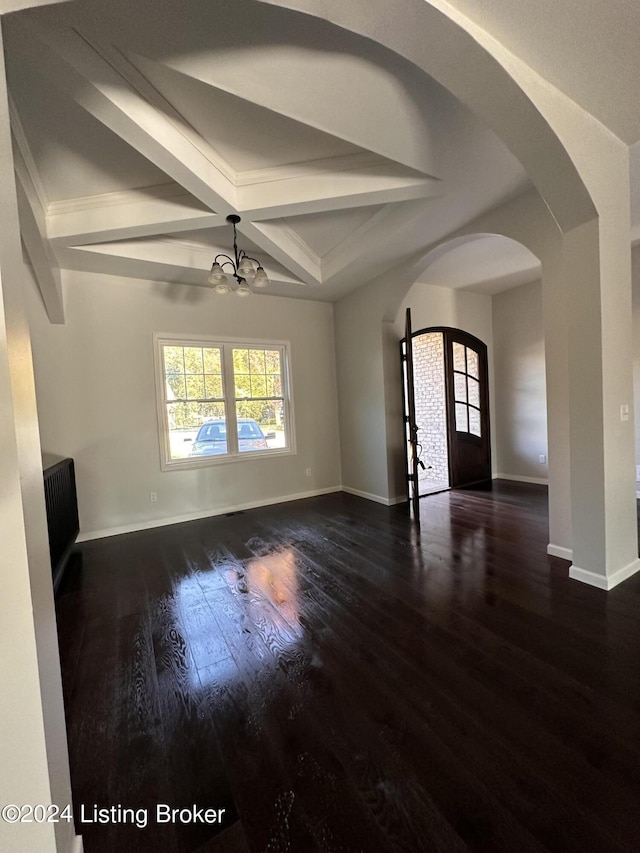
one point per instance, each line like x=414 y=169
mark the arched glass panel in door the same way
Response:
x=466 y=384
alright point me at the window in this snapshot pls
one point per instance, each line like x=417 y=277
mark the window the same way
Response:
x=466 y=386
x=222 y=400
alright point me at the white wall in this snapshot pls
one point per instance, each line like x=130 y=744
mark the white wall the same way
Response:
x=635 y=268
x=96 y=397
x=34 y=763
x=369 y=376
x=520 y=395
x=442 y=306
x=361 y=390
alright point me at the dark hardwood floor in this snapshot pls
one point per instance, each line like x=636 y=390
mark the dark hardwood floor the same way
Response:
x=336 y=683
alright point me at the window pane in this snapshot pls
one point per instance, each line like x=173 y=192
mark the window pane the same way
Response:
x=256 y=361
x=243 y=386
x=460 y=385
x=175 y=388
x=193 y=360
x=461 y=418
x=240 y=361
x=185 y=419
x=211 y=438
x=258 y=386
x=192 y=415
x=474 y=422
x=474 y=392
x=173 y=360
x=272 y=361
x=261 y=425
x=458 y=358
x=274 y=386
x=213 y=386
x=195 y=387
x=212 y=362
x=472 y=363
x=210 y=411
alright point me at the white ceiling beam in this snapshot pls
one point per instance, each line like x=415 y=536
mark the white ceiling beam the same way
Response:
x=323 y=190
x=78 y=69
x=124 y=216
x=28 y=161
x=162 y=261
x=15 y=5
x=284 y=245
x=32 y=229
x=87 y=259
x=135 y=78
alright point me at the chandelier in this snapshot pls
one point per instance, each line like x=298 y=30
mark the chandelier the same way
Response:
x=241 y=269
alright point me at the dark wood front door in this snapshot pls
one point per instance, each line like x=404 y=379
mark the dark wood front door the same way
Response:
x=411 y=429
x=467 y=395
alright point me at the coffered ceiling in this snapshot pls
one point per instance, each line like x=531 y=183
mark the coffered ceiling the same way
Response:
x=139 y=127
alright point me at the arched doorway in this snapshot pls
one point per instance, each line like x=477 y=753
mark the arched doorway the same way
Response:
x=446 y=409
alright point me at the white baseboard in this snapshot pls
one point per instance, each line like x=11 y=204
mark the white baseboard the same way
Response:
x=371 y=497
x=520 y=478
x=605 y=582
x=559 y=551
x=399 y=499
x=194 y=516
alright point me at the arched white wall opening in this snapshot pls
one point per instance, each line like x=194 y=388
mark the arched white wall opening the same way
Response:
x=457 y=289
x=442 y=48
x=582 y=173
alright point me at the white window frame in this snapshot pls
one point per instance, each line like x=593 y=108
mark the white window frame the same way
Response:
x=226 y=345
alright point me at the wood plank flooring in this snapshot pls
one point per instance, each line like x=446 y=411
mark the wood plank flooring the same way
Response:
x=337 y=683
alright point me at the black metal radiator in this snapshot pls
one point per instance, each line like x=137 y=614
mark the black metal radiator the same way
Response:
x=62 y=512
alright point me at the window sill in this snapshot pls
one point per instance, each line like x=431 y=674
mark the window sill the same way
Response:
x=214 y=460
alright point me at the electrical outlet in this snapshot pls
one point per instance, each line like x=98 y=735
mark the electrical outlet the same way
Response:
x=307 y=472
x=542 y=458
x=153 y=497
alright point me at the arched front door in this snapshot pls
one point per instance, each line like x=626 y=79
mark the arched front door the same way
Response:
x=467 y=395
x=449 y=405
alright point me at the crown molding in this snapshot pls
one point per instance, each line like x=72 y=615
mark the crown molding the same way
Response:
x=154 y=240
x=304 y=247
x=192 y=245
x=111 y=199
x=306 y=168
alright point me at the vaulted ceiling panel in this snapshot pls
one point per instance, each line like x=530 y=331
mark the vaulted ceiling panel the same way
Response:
x=65 y=140
x=324 y=231
x=247 y=136
x=305 y=69
x=149 y=123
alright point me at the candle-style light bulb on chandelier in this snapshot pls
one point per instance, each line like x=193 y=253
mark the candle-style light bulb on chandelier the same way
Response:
x=241 y=269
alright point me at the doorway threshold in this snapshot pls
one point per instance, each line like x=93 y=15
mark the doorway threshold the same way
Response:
x=432 y=487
